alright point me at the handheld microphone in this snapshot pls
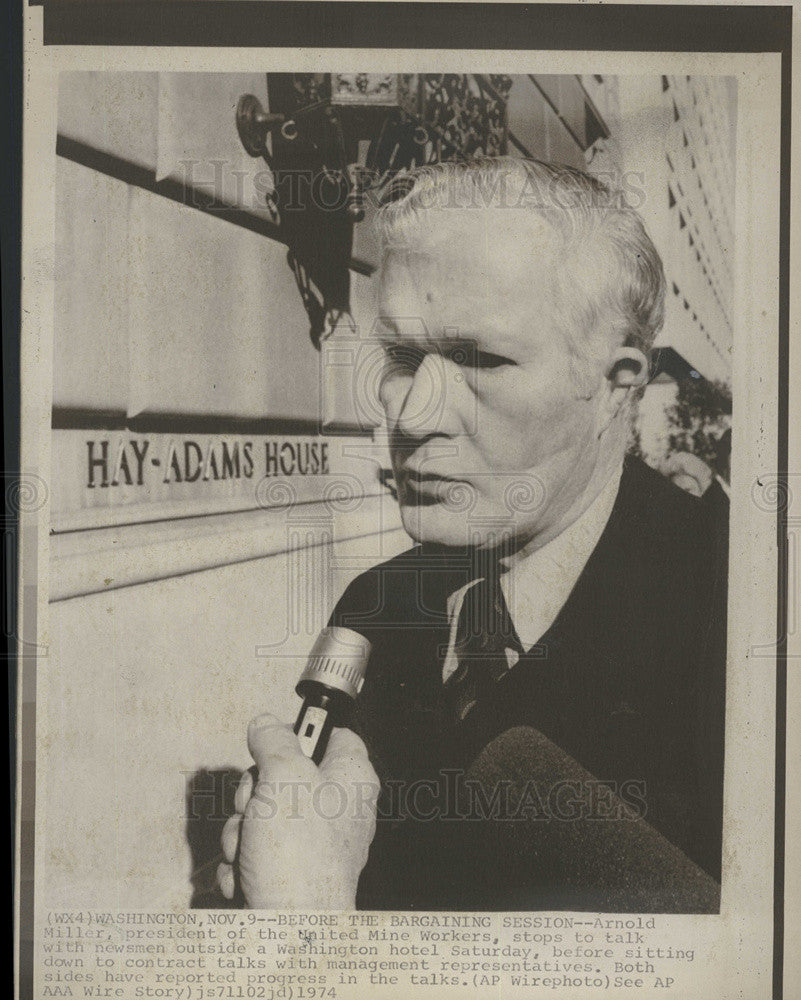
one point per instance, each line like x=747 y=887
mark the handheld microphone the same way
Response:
x=329 y=684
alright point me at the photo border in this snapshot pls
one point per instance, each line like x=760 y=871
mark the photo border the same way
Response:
x=288 y=23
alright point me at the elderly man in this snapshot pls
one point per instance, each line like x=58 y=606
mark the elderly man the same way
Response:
x=544 y=703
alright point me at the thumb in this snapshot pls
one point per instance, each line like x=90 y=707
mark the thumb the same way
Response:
x=272 y=744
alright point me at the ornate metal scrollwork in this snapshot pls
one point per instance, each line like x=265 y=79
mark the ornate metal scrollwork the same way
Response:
x=311 y=139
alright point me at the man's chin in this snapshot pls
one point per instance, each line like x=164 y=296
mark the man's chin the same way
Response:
x=435 y=524
x=434 y=529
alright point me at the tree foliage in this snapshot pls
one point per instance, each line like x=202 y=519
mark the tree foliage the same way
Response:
x=698 y=418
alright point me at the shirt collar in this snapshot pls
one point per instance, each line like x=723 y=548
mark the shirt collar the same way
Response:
x=537 y=586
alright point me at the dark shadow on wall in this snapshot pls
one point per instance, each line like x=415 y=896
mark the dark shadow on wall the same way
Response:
x=209 y=803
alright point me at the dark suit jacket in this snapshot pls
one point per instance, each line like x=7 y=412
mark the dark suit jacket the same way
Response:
x=628 y=683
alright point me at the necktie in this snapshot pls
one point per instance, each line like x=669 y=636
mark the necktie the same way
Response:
x=483 y=634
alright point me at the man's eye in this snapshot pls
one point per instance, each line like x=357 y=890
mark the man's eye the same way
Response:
x=406 y=358
x=471 y=358
x=484 y=359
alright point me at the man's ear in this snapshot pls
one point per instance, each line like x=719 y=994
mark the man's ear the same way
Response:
x=626 y=372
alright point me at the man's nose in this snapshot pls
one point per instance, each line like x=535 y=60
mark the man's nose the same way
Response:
x=426 y=402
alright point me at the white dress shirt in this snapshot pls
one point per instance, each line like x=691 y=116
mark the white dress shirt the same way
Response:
x=537 y=585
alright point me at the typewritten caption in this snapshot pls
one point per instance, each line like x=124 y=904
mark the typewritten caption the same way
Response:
x=235 y=955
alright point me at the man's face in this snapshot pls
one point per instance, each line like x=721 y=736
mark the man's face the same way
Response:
x=489 y=435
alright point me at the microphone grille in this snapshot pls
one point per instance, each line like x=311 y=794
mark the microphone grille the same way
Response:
x=338 y=660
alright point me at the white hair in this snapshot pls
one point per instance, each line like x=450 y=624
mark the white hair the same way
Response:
x=610 y=280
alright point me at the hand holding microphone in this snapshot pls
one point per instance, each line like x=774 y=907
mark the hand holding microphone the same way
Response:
x=301 y=832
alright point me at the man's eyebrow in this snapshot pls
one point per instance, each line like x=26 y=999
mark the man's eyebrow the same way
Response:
x=468 y=342
x=406 y=328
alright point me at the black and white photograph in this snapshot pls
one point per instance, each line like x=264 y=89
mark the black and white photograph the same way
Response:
x=463 y=402
x=406 y=495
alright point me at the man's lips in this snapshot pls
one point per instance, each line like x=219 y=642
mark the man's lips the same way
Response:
x=431 y=485
x=416 y=477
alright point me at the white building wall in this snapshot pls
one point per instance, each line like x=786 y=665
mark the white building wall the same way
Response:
x=178 y=609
